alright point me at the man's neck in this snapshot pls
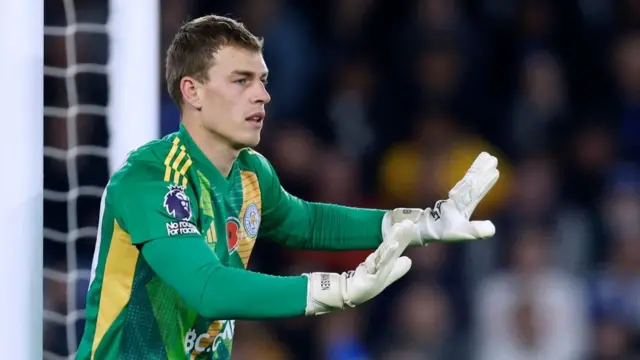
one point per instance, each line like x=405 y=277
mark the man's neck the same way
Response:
x=221 y=155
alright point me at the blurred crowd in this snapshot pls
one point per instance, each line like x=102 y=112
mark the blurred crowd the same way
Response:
x=386 y=103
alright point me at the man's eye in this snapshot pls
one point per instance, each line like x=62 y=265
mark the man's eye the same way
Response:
x=265 y=81
x=241 y=81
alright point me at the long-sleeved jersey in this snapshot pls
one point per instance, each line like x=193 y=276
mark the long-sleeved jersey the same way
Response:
x=169 y=271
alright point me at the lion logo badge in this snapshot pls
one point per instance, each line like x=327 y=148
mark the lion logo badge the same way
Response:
x=177 y=203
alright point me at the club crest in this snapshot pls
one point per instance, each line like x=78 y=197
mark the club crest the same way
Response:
x=177 y=203
x=251 y=220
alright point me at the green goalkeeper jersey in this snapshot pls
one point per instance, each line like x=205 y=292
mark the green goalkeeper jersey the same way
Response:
x=169 y=202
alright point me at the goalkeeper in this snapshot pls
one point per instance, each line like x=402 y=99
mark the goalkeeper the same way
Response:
x=179 y=220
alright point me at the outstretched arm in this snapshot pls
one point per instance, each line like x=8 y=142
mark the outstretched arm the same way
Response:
x=300 y=224
x=304 y=225
x=190 y=267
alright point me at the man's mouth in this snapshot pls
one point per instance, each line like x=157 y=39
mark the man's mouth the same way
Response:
x=257 y=118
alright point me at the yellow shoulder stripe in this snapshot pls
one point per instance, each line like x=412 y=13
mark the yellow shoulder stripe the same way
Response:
x=172 y=163
x=253 y=152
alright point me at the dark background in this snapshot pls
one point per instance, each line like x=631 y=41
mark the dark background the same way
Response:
x=386 y=103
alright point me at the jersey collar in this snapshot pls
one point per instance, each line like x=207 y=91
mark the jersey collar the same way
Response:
x=203 y=164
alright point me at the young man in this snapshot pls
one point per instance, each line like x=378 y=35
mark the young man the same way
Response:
x=180 y=218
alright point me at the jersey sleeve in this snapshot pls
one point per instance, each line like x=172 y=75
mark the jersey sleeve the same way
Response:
x=148 y=207
x=300 y=224
x=190 y=267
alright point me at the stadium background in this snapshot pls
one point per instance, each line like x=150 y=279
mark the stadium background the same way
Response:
x=385 y=104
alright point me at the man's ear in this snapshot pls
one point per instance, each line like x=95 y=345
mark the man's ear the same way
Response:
x=189 y=90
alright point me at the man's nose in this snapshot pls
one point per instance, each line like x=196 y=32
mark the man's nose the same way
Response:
x=262 y=96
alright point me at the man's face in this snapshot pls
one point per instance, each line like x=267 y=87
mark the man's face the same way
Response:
x=233 y=99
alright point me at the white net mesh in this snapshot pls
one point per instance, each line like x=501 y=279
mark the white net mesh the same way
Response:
x=76 y=170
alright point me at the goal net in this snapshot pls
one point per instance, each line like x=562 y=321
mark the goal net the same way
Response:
x=101 y=101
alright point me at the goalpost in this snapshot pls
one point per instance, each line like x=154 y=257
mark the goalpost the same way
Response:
x=130 y=118
x=21 y=178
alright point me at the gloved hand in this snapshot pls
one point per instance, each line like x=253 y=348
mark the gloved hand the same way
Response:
x=449 y=220
x=327 y=292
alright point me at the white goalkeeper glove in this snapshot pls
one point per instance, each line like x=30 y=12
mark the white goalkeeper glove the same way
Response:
x=449 y=220
x=327 y=292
